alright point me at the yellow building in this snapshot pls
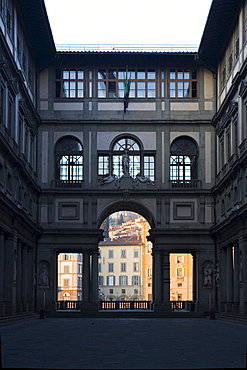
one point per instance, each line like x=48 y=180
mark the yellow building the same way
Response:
x=120 y=269
x=69 y=277
x=181 y=277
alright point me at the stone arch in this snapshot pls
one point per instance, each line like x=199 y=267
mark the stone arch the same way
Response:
x=127 y=206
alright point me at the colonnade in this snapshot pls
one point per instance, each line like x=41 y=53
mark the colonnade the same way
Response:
x=17 y=274
x=232 y=289
x=90 y=278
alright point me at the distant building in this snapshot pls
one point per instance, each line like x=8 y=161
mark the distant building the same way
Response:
x=181 y=273
x=70 y=277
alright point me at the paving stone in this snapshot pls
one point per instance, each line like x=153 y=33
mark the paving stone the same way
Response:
x=122 y=343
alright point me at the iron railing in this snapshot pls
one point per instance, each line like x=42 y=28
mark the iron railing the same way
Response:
x=185 y=184
x=68 y=305
x=127 y=47
x=125 y=305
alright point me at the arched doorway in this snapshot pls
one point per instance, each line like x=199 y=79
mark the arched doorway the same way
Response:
x=125 y=260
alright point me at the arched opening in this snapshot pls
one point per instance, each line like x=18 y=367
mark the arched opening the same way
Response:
x=181 y=280
x=125 y=260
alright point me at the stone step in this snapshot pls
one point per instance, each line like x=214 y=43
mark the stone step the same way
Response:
x=17 y=318
x=232 y=317
x=125 y=314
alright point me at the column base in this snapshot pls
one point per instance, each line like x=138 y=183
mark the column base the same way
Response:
x=2 y=309
x=89 y=307
x=162 y=307
x=228 y=307
x=19 y=307
x=235 y=307
x=10 y=308
x=243 y=308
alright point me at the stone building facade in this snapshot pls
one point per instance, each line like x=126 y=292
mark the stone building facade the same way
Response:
x=64 y=134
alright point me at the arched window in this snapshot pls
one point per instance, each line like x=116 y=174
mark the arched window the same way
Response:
x=140 y=161
x=183 y=159
x=69 y=160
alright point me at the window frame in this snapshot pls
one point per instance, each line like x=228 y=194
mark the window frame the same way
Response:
x=113 y=80
x=60 y=82
x=73 y=170
x=179 y=83
x=110 y=162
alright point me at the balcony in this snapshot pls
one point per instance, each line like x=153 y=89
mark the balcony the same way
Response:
x=65 y=184
x=185 y=184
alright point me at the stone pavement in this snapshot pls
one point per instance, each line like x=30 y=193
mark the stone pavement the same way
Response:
x=83 y=343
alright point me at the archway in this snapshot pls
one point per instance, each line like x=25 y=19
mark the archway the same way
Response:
x=125 y=260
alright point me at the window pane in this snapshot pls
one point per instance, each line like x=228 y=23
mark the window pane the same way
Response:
x=72 y=75
x=141 y=89
x=121 y=90
x=186 y=74
x=112 y=89
x=65 y=75
x=101 y=74
x=172 y=74
x=140 y=75
x=132 y=93
x=112 y=74
x=151 y=75
x=80 y=75
x=151 y=90
x=101 y=89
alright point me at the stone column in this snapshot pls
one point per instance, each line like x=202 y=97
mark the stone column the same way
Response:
x=19 y=277
x=30 y=279
x=222 y=278
x=94 y=289
x=157 y=277
x=195 y=279
x=236 y=278
x=24 y=279
x=86 y=277
x=166 y=280
x=229 y=278
x=10 y=274
x=2 y=280
x=243 y=274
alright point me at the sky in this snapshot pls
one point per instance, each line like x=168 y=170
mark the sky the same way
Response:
x=177 y=22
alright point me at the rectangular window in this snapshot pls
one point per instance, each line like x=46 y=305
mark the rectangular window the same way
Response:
x=183 y=83
x=136 y=266
x=179 y=259
x=110 y=253
x=79 y=282
x=66 y=269
x=66 y=283
x=99 y=267
x=123 y=267
x=123 y=253
x=136 y=253
x=69 y=83
x=123 y=291
x=110 y=280
x=110 y=291
x=123 y=280
x=101 y=280
x=162 y=84
x=110 y=267
x=136 y=280
x=148 y=165
x=111 y=83
x=180 y=272
x=103 y=166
